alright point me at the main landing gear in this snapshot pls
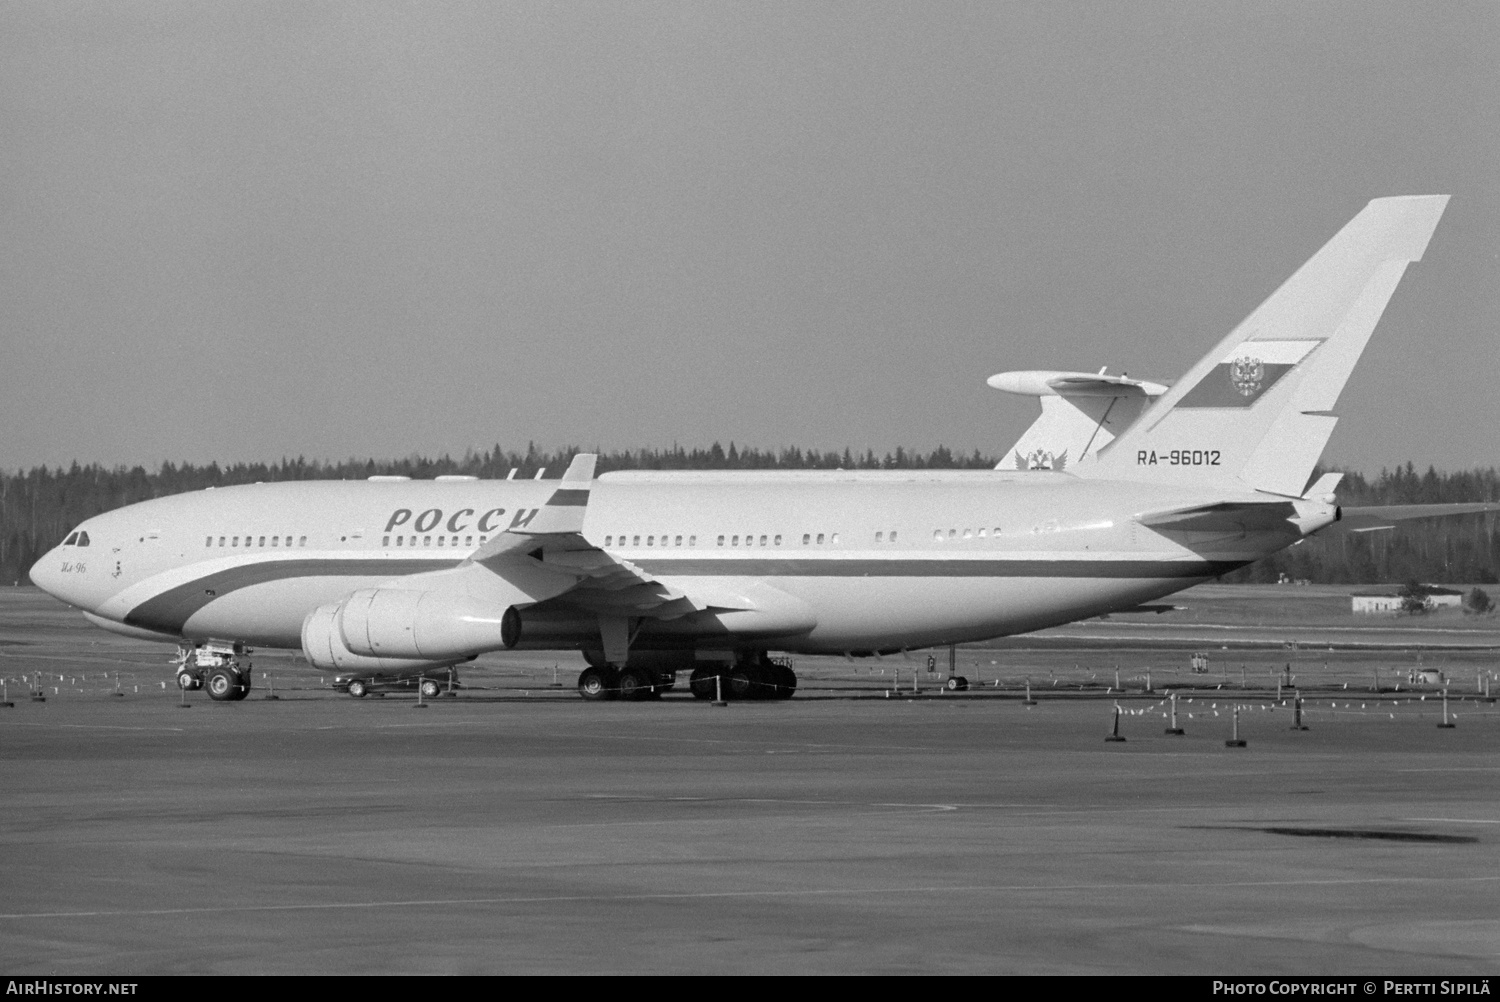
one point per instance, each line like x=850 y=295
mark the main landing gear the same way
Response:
x=630 y=682
x=215 y=667
x=757 y=676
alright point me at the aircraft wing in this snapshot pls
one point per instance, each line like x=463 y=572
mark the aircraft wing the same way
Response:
x=1375 y=518
x=553 y=543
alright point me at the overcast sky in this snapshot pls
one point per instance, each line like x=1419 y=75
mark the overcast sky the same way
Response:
x=242 y=231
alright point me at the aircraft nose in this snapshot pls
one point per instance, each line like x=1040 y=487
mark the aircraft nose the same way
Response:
x=46 y=573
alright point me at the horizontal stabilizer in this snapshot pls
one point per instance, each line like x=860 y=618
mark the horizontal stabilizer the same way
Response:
x=1376 y=517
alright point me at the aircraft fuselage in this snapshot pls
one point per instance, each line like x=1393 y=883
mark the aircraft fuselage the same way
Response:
x=830 y=562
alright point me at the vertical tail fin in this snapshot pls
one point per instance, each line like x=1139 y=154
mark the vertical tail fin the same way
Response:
x=1255 y=411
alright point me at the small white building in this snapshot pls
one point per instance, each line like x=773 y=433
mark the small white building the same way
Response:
x=1378 y=602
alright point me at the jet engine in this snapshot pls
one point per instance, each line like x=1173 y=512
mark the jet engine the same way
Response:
x=324 y=647
x=429 y=625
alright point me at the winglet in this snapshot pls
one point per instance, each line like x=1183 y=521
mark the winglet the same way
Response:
x=564 y=510
x=581 y=468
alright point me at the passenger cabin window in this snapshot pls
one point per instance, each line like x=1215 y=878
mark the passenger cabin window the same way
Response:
x=678 y=541
x=820 y=539
x=263 y=541
x=235 y=541
x=607 y=540
x=635 y=541
x=734 y=541
x=692 y=540
x=806 y=538
x=209 y=541
x=763 y=541
x=721 y=540
x=835 y=538
x=221 y=540
x=385 y=540
x=893 y=535
x=879 y=537
x=302 y=541
x=778 y=540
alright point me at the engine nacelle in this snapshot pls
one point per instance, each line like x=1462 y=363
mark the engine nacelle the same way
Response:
x=324 y=647
x=429 y=625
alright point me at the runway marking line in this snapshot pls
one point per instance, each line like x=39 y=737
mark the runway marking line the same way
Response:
x=1457 y=821
x=95 y=727
x=706 y=895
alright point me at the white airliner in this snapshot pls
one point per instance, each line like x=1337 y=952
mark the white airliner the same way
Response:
x=1124 y=491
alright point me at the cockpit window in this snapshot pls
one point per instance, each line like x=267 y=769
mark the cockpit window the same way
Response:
x=83 y=539
x=72 y=538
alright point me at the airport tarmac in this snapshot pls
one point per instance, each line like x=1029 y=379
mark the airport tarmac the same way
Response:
x=514 y=828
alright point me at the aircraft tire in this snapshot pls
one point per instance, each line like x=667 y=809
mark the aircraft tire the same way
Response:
x=786 y=682
x=223 y=685
x=636 y=683
x=598 y=683
x=703 y=683
x=744 y=683
x=357 y=689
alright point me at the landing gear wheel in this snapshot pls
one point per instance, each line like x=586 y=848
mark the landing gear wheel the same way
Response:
x=957 y=683
x=224 y=685
x=598 y=683
x=187 y=680
x=786 y=681
x=430 y=688
x=636 y=683
x=744 y=683
x=704 y=683
x=357 y=689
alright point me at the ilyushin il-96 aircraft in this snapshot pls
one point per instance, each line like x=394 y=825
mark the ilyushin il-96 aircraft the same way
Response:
x=1123 y=491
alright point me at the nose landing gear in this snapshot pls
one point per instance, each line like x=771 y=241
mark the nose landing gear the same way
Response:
x=215 y=667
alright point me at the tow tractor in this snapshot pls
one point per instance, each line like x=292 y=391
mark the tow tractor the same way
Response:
x=215 y=667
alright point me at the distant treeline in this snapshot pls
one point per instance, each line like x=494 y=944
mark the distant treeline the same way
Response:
x=39 y=506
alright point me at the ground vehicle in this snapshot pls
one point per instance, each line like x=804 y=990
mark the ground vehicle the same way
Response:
x=430 y=684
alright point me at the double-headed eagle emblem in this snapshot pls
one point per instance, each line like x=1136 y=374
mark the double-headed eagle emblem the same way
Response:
x=1041 y=459
x=1246 y=375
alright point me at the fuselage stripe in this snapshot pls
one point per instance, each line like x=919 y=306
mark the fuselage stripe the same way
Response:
x=169 y=610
